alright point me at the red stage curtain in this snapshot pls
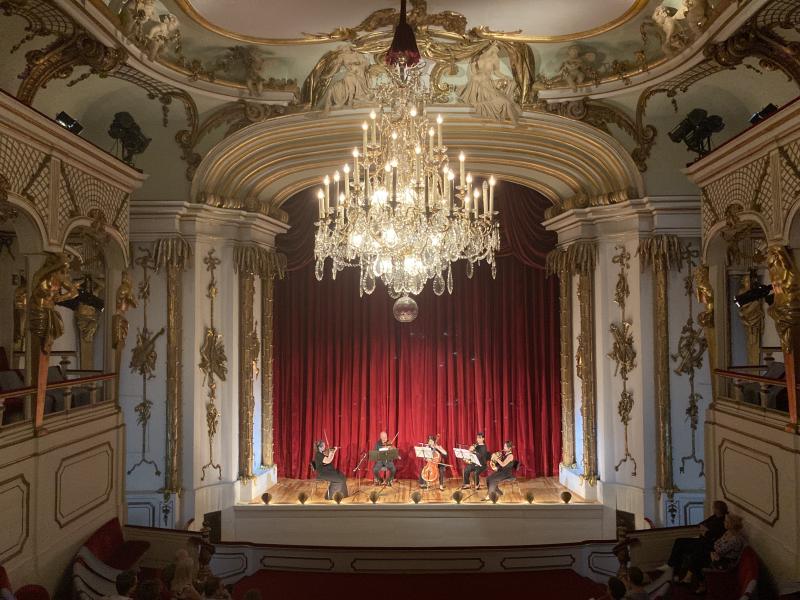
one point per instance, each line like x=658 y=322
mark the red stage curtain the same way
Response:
x=484 y=358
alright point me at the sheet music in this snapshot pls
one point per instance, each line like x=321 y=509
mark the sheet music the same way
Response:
x=423 y=452
x=383 y=449
x=466 y=455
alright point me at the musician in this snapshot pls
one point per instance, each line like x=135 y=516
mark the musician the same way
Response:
x=505 y=463
x=323 y=459
x=383 y=444
x=434 y=445
x=473 y=471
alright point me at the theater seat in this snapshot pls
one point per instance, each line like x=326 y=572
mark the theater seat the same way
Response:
x=108 y=546
x=26 y=592
x=737 y=583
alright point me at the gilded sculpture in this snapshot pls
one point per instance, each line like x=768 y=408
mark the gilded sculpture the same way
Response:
x=125 y=300
x=488 y=90
x=785 y=309
x=213 y=364
x=52 y=284
x=705 y=295
x=752 y=316
x=20 y=313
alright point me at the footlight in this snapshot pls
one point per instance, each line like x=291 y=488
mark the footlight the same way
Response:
x=302 y=497
x=494 y=497
x=337 y=497
x=416 y=497
x=529 y=498
x=373 y=497
x=266 y=497
x=457 y=496
x=566 y=497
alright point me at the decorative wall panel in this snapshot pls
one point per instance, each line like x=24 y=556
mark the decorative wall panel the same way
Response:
x=749 y=479
x=84 y=481
x=15 y=508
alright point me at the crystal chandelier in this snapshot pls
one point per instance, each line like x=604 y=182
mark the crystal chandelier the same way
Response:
x=400 y=213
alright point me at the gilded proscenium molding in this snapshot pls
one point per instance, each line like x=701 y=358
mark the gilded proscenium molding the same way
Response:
x=580 y=259
x=125 y=299
x=246 y=373
x=622 y=351
x=752 y=317
x=213 y=364
x=601 y=114
x=172 y=255
x=565 y=339
x=661 y=254
x=267 y=353
x=704 y=293
x=689 y=356
x=144 y=356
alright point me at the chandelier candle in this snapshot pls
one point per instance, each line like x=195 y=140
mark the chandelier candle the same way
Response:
x=396 y=217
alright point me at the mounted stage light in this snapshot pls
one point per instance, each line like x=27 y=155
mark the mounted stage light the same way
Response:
x=696 y=130
x=757 y=291
x=69 y=123
x=769 y=110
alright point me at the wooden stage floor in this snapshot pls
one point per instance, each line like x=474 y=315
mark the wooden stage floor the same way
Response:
x=546 y=490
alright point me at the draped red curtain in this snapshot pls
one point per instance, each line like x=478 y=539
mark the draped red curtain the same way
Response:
x=482 y=359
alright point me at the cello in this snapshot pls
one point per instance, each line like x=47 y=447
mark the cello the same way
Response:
x=430 y=472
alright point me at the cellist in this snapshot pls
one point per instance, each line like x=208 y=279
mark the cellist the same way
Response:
x=434 y=445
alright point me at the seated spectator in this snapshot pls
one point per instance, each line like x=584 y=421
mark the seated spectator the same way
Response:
x=616 y=588
x=182 y=584
x=149 y=589
x=725 y=554
x=214 y=590
x=126 y=586
x=637 y=580
x=688 y=550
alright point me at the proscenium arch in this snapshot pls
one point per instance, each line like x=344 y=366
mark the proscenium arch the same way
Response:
x=556 y=156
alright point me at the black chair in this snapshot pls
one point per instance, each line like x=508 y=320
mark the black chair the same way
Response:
x=314 y=481
x=513 y=481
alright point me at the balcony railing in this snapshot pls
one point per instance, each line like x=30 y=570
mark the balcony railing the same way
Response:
x=81 y=391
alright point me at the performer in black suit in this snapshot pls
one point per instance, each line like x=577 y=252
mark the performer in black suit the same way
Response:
x=504 y=464
x=382 y=444
x=327 y=472
x=473 y=471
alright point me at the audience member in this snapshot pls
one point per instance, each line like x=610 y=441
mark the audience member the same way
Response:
x=636 y=578
x=616 y=589
x=688 y=550
x=214 y=590
x=182 y=585
x=150 y=589
x=126 y=586
x=725 y=555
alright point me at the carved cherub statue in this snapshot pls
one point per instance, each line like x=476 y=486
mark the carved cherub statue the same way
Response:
x=125 y=300
x=488 y=90
x=51 y=284
x=164 y=31
x=135 y=14
x=354 y=87
x=577 y=69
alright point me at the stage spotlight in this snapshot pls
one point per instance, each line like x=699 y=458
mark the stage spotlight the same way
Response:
x=337 y=497
x=416 y=497
x=757 y=291
x=529 y=497
x=69 y=123
x=302 y=497
x=696 y=130
x=769 y=110
x=266 y=497
x=494 y=497
x=566 y=497
x=373 y=497
x=458 y=496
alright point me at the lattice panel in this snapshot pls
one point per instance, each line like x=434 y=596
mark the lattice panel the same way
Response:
x=790 y=176
x=85 y=192
x=780 y=13
x=28 y=172
x=750 y=187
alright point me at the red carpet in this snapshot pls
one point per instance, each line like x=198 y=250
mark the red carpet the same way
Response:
x=560 y=584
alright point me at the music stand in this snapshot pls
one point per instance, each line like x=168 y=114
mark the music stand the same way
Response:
x=467 y=456
x=357 y=471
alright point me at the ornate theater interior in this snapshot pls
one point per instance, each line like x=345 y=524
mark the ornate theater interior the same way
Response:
x=314 y=299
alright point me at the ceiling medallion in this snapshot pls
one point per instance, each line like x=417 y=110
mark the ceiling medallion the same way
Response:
x=400 y=213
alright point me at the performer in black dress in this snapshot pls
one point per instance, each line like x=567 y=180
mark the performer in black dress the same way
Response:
x=327 y=472
x=383 y=443
x=505 y=463
x=473 y=471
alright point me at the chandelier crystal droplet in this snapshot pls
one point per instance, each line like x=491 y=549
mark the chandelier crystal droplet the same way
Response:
x=398 y=211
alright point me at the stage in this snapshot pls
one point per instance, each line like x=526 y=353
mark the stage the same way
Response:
x=436 y=521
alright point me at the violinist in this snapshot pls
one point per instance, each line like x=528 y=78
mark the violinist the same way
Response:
x=383 y=444
x=433 y=444
x=473 y=471
x=323 y=459
x=503 y=463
